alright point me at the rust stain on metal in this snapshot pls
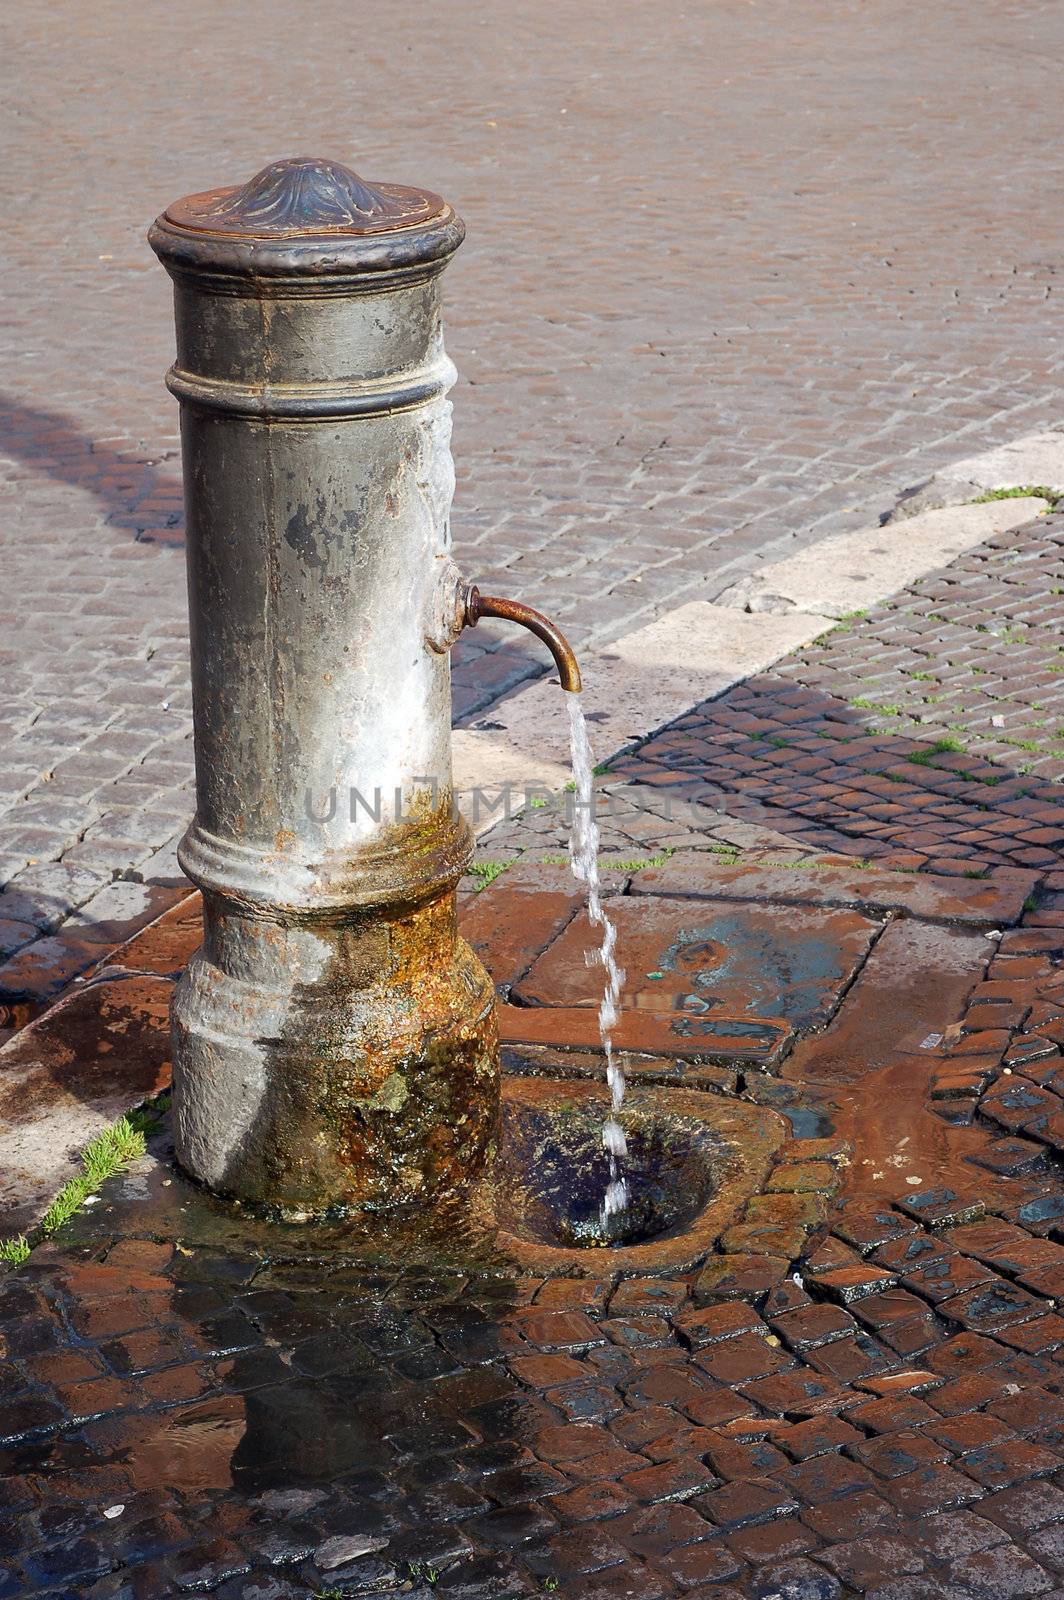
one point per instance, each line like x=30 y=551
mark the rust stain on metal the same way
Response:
x=486 y=605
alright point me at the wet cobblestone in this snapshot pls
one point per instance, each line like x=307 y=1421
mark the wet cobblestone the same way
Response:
x=878 y=1406
x=196 y=1417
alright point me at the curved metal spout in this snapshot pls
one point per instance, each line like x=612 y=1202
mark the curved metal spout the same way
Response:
x=479 y=605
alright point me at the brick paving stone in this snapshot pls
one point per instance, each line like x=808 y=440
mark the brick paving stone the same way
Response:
x=717 y=1323
x=1001 y=1572
x=1011 y=1461
x=930 y=1489
x=902 y=1386
x=952 y=1534
x=970 y=1432
x=813 y=1325
x=1047 y=1547
x=852 y=1283
x=826 y=1477
x=773 y=1541
x=593 y=1502
x=802 y=1578
x=732 y=1458
x=852 y=1361
x=817 y=1436
x=946 y=1277
x=798 y=1394
x=750 y=1501
x=863 y=1562
x=669 y=1480
x=739 y=1361
x=698 y=1564
x=1030 y=1505
x=894 y=1454
x=989 y=1306
x=738 y=1277
x=653 y=1296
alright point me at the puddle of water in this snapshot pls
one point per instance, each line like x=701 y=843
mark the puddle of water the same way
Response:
x=188 y=1449
x=583 y=855
x=807 y=1122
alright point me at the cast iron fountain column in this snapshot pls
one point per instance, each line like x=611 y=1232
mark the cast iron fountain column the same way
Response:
x=334 y=1038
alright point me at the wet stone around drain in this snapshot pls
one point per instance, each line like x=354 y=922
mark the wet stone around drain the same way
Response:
x=556 y=1171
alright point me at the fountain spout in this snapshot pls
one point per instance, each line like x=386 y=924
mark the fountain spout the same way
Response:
x=479 y=605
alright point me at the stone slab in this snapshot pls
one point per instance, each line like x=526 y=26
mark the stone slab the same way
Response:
x=911 y=988
x=995 y=901
x=755 y=1041
x=854 y=571
x=68 y=1076
x=691 y=964
x=522 y=1059
x=516 y=917
x=1034 y=461
x=165 y=946
x=42 y=970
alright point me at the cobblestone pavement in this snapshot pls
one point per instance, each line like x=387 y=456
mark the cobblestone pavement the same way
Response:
x=731 y=272
x=923 y=734
x=859 y=1392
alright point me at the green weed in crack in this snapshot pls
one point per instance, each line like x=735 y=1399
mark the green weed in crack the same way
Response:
x=486 y=872
x=941 y=747
x=1037 y=491
x=115 y=1149
x=607 y=864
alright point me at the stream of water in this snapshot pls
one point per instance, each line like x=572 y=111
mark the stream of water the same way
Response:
x=583 y=854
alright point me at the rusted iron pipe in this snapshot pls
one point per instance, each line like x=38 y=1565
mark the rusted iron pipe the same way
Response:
x=487 y=605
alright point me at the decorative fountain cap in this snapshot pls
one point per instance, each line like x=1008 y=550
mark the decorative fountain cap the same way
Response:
x=306 y=215
x=305 y=196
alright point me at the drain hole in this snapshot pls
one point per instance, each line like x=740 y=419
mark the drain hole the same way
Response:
x=555 y=1171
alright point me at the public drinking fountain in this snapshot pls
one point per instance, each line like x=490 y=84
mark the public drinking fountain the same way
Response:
x=334 y=1038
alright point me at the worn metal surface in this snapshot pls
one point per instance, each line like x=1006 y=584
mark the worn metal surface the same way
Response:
x=334 y=1038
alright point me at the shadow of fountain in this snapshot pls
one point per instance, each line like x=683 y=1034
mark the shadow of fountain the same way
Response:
x=814 y=767
x=127 y=481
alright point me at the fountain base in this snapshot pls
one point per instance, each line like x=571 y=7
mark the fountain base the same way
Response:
x=337 y=1064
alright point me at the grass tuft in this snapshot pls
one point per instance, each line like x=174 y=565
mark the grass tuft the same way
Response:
x=116 y=1148
x=487 y=871
x=636 y=864
x=941 y=747
x=1022 y=492
x=639 y=862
